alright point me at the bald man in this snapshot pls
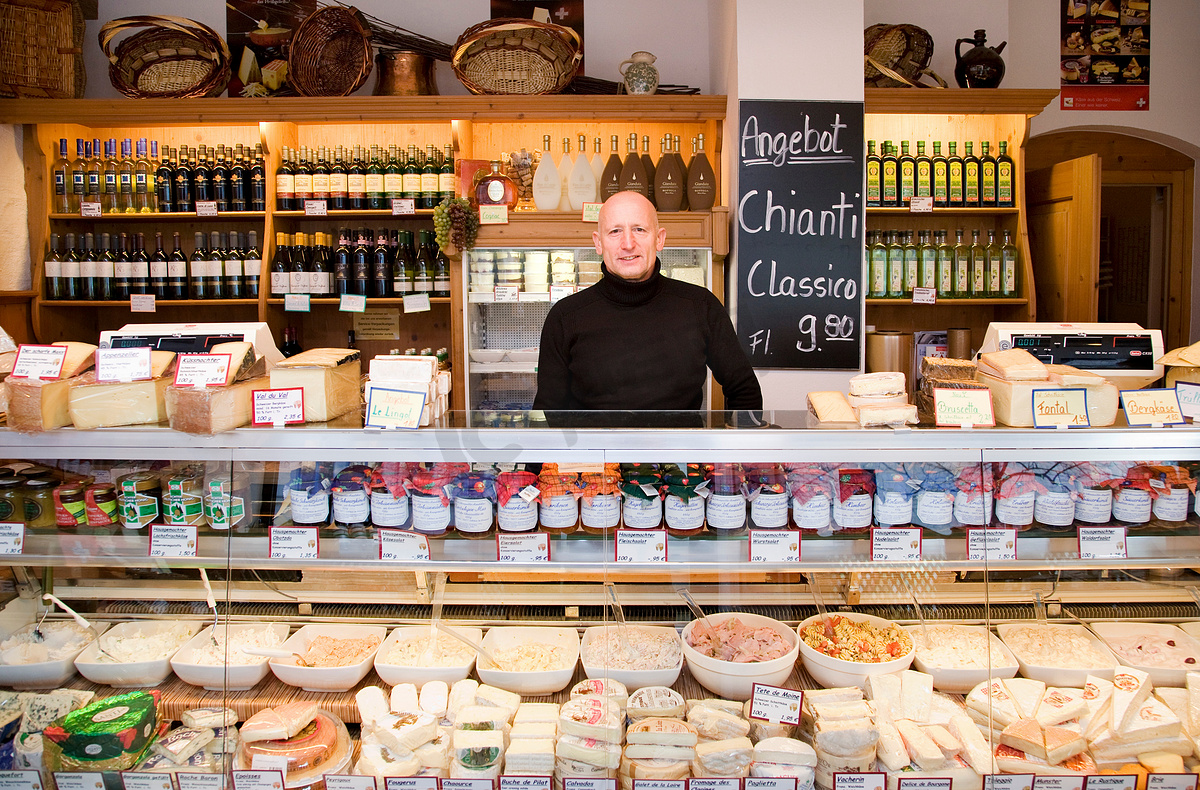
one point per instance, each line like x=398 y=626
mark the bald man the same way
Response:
x=638 y=340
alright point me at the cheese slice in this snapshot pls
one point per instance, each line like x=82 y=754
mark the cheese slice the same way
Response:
x=832 y=711
x=613 y=690
x=992 y=696
x=537 y=712
x=534 y=729
x=716 y=724
x=372 y=706
x=916 y=689
x=1097 y=693
x=845 y=737
x=666 y=732
x=949 y=744
x=1015 y=364
x=947 y=368
x=36 y=405
x=1026 y=735
x=481 y=717
x=895 y=416
x=329 y=378
x=652 y=768
x=975 y=749
x=436 y=753
x=241 y=359
x=729 y=706
x=490 y=696
x=462 y=694
x=1111 y=752
x=1059 y=705
x=79 y=357
x=1131 y=688
x=211 y=410
x=836 y=694
x=378 y=761
x=1176 y=700
x=1161 y=762
x=101 y=405
x=650 y=751
x=1153 y=720
x=878 y=383
x=921 y=748
x=433 y=697
x=1027 y=694
x=786 y=751
x=730 y=757
x=885 y=692
x=405 y=731
x=830 y=407
x=532 y=757
x=1062 y=743
x=890 y=748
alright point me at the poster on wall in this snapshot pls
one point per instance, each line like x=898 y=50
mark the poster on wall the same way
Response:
x=258 y=32
x=568 y=13
x=1105 y=55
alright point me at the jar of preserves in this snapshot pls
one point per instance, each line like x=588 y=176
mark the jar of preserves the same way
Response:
x=432 y=512
x=935 y=497
x=1133 y=499
x=684 y=509
x=308 y=492
x=641 y=486
x=1094 y=493
x=101 y=504
x=351 y=502
x=39 y=503
x=140 y=498
x=893 y=505
x=389 y=497
x=853 y=506
x=600 y=512
x=766 y=489
x=812 y=489
x=1016 y=492
x=1054 y=499
x=1174 y=484
x=473 y=495
x=558 y=511
x=12 y=500
x=973 y=499
x=516 y=512
x=69 y=506
x=183 y=496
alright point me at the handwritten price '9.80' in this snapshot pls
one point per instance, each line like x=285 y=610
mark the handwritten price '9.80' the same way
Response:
x=837 y=327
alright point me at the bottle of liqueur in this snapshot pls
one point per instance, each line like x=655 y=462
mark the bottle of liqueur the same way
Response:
x=701 y=181
x=338 y=183
x=106 y=269
x=431 y=191
x=78 y=190
x=927 y=267
x=978 y=267
x=61 y=173
x=158 y=269
x=356 y=182
x=878 y=268
x=954 y=166
x=1008 y=270
x=890 y=169
x=987 y=176
x=125 y=170
x=381 y=266
x=598 y=163
x=446 y=186
x=564 y=173
x=281 y=264
x=52 y=270
x=252 y=264
x=908 y=174
x=139 y=274
x=123 y=267
x=547 y=186
x=164 y=183
x=610 y=179
x=496 y=188
x=87 y=269
x=214 y=280
x=895 y=252
x=683 y=168
x=633 y=173
x=874 y=176
x=581 y=182
x=912 y=259
x=320 y=279
x=320 y=178
x=924 y=186
x=177 y=270
x=70 y=269
x=143 y=178
x=995 y=265
x=647 y=165
x=669 y=180
x=285 y=183
x=258 y=181
x=962 y=266
x=940 y=176
x=360 y=262
x=1004 y=177
x=970 y=177
x=945 y=266
x=233 y=282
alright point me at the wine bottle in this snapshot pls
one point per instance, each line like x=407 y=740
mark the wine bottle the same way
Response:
x=320 y=178
x=702 y=182
x=52 y=271
x=945 y=267
x=338 y=183
x=238 y=194
x=298 y=273
x=320 y=279
x=610 y=179
x=393 y=176
x=70 y=269
x=122 y=266
x=565 y=165
x=874 y=176
x=430 y=184
x=547 y=186
x=87 y=269
x=164 y=184
x=78 y=187
x=303 y=178
x=683 y=168
x=158 y=269
x=220 y=180
x=441 y=274
x=911 y=264
x=234 y=280
x=125 y=169
x=214 y=282
x=341 y=263
x=202 y=188
x=177 y=271
x=184 y=197
x=411 y=179
x=360 y=263
x=60 y=172
x=281 y=265
x=356 y=182
x=290 y=347
x=111 y=200
x=669 y=180
x=582 y=181
x=258 y=180
x=106 y=270
x=373 y=181
x=446 y=179
x=139 y=270
x=143 y=175
x=597 y=164
x=381 y=266
x=95 y=172
x=423 y=266
x=252 y=265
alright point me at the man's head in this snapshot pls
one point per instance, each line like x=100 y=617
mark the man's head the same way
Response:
x=628 y=236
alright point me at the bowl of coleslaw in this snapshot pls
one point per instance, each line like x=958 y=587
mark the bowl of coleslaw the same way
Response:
x=641 y=656
x=742 y=649
x=223 y=666
x=136 y=654
x=850 y=647
x=405 y=657
x=533 y=660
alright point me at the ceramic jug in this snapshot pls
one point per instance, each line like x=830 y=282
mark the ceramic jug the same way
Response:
x=639 y=73
x=981 y=66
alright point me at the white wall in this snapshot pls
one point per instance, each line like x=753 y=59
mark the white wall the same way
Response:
x=946 y=21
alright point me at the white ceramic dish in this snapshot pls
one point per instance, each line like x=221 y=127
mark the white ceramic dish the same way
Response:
x=734 y=680
x=831 y=672
x=43 y=674
x=325 y=678
x=523 y=356
x=958 y=680
x=1192 y=629
x=487 y=356
x=530 y=683
x=1072 y=677
x=134 y=674
x=633 y=679
x=1154 y=633
x=419 y=676
x=218 y=677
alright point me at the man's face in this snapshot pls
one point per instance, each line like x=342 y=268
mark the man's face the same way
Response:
x=628 y=237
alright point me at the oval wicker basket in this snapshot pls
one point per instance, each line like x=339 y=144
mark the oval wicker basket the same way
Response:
x=173 y=58
x=516 y=56
x=330 y=53
x=897 y=56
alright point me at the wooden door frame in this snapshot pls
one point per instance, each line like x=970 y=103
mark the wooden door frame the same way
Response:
x=1125 y=161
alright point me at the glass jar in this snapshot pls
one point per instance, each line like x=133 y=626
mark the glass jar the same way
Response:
x=308 y=490
x=473 y=495
x=70 y=509
x=515 y=513
x=684 y=505
x=643 y=506
x=1171 y=505
x=351 y=502
x=973 y=500
x=101 y=505
x=600 y=511
x=766 y=486
x=1016 y=493
x=935 y=498
x=390 y=506
x=140 y=499
x=432 y=511
x=39 y=504
x=183 y=496
x=558 y=512
x=12 y=500
x=811 y=487
x=893 y=505
x=852 y=508
x=226 y=500
x=1132 y=500
x=1054 y=498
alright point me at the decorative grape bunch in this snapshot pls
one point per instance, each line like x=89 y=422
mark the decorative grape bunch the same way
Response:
x=456 y=223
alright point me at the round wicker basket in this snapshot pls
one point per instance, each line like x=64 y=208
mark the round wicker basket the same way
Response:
x=516 y=56
x=330 y=53
x=172 y=58
x=897 y=56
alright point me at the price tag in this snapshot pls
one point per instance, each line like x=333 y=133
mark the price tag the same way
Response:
x=774 y=545
x=872 y=780
x=506 y=293
x=560 y=292
x=316 y=208
x=347 y=782
x=20 y=780
x=523 y=548
x=493 y=215
x=12 y=537
x=172 y=541
x=591 y=212
x=1151 y=407
x=963 y=407
x=206 y=208
x=258 y=779
x=1114 y=782
x=595 y=783
x=715 y=783
x=467 y=784
x=659 y=784
x=920 y=205
x=769 y=783
x=269 y=762
x=75 y=781
x=775 y=705
x=991 y=544
x=352 y=303
x=90 y=209
x=294 y=543
x=278 y=407
x=403 y=206
x=392 y=408
x=927 y=783
x=297 y=303
x=1189 y=405
x=1008 y=782
x=400 y=546
x=142 y=303
x=410 y=782
x=1102 y=543
x=39 y=362
x=123 y=364
x=202 y=370
x=148 y=781
x=1052 y=408
x=416 y=303
x=1058 y=783
x=1171 y=782
x=924 y=296
x=640 y=546
x=200 y=781
x=524 y=783
x=896 y=544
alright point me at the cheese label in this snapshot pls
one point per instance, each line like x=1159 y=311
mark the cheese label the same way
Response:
x=394 y=408
x=770 y=545
x=269 y=762
x=79 y=781
x=895 y=544
x=12 y=537
x=1171 y=782
x=1052 y=408
x=400 y=546
x=590 y=783
x=172 y=541
x=493 y=215
x=989 y=544
x=925 y=783
x=467 y=784
x=1008 y=782
x=297 y=303
x=560 y=292
x=715 y=783
x=871 y=780
x=352 y=303
x=1101 y=543
x=963 y=408
x=640 y=546
x=39 y=362
x=1151 y=407
x=1114 y=782
x=20 y=780
x=776 y=705
x=403 y=207
x=659 y=784
x=316 y=208
x=410 y=782
x=523 y=783
x=123 y=364
x=415 y=303
x=769 y=783
x=278 y=407
x=523 y=548
x=142 y=303
x=293 y=543
x=150 y=781
x=1189 y=398
x=347 y=782
x=257 y=779
x=506 y=293
x=591 y=212
x=202 y=370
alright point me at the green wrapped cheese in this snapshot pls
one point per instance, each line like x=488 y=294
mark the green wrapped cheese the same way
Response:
x=107 y=735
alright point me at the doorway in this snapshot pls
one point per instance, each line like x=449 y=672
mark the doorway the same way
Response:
x=1133 y=261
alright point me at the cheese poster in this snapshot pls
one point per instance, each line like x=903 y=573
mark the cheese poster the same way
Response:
x=258 y=32
x=1105 y=55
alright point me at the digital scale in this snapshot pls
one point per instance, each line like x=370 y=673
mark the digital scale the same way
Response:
x=1122 y=353
x=193 y=338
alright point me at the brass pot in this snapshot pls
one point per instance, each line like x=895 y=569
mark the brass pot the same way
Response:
x=404 y=74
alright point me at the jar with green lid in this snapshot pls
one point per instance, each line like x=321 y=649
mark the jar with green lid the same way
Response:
x=225 y=501
x=69 y=506
x=183 y=496
x=101 y=504
x=12 y=500
x=140 y=498
x=39 y=504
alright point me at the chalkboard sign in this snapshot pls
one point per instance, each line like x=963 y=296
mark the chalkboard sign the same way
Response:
x=799 y=233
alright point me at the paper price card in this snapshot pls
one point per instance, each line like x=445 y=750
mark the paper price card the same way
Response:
x=493 y=215
x=1171 y=782
x=172 y=541
x=73 y=781
x=895 y=544
x=269 y=763
x=149 y=781
x=596 y=783
x=123 y=364
x=776 y=705
x=90 y=209
x=410 y=783
x=389 y=408
x=871 y=780
x=924 y=296
x=352 y=303
x=524 y=783
x=927 y=783
x=506 y=293
x=12 y=537
x=1058 y=783
x=560 y=292
x=200 y=781
x=1151 y=407
x=640 y=545
x=294 y=543
x=416 y=303
x=39 y=362
x=467 y=784
x=297 y=303
x=920 y=205
x=963 y=408
x=20 y=780
x=1102 y=543
x=1052 y=408
x=400 y=546
x=1189 y=398
x=206 y=208
x=523 y=548
x=1008 y=782
x=258 y=779
x=142 y=303
x=715 y=783
x=202 y=370
x=403 y=206
x=591 y=212
x=1117 y=782
x=774 y=545
x=347 y=782
x=991 y=545
x=278 y=407
x=316 y=208
x=659 y=784
x=769 y=783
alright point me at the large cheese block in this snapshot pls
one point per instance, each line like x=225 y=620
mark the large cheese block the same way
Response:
x=243 y=364
x=1015 y=364
x=830 y=407
x=395 y=367
x=1012 y=401
x=95 y=404
x=80 y=357
x=329 y=378
x=36 y=405
x=210 y=410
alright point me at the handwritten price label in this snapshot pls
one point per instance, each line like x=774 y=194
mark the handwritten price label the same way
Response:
x=399 y=546
x=1102 y=543
x=278 y=407
x=39 y=362
x=1151 y=407
x=991 y=544
x=172 y=541
x=1052 y=408
x=12 y=537
x=895 y=544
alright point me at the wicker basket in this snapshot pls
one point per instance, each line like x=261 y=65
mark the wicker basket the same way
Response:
x=516 y=56
x=330 y=53
x=173 y=58
x=897 y=56
x=41 y=49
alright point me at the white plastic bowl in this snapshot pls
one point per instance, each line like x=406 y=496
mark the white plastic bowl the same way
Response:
x=530 y=683
x=43 y=674
x=1067 y=677
x=487 y=355
x=523 y=356
x=957 y=680
x=1175 y=675
x=325 y=678
x=734 y=680
x=134 y=674
x=219 y=677
x=419 y=676
x=831 y=672
x=633 y=679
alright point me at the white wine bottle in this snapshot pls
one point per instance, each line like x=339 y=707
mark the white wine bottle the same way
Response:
x=547 y=184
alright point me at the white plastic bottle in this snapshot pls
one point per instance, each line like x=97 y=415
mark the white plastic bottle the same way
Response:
x=582 y=186
x=547 y=183
x=564 y=172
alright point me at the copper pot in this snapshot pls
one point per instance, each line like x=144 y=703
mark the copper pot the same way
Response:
x=404 y=74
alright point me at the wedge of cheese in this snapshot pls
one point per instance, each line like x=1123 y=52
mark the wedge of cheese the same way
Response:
x=830 y=407
x=992 y=697
x=916 y=690
x=890 y=749
x=1026 y=735
x=1131 y=688
x=1161 y=762
x=1062 y=743
x=1059 y=705
x=885 y=692
x=1015 y=364
x=949 y=744
x=1152 y=721
x=100 y=405
x=975 y=748
x=894 y=416
x=1192 y=721
x=211 y=410
x=36 y=405
x=1027 y=694
x=329 y=378
x=80 y=357
x=243 y=363
x=921 y=748
x=1012 y=401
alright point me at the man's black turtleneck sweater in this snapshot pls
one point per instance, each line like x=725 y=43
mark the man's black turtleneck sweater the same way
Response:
x=622 y=345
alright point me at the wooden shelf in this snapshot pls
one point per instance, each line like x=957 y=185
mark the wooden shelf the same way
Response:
x=157 y=303
x=566 y=229
x=351 y=214
x=958 y=101
x=372 y=301
x=892 y=210
x=163 y=216
x=956 y=302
